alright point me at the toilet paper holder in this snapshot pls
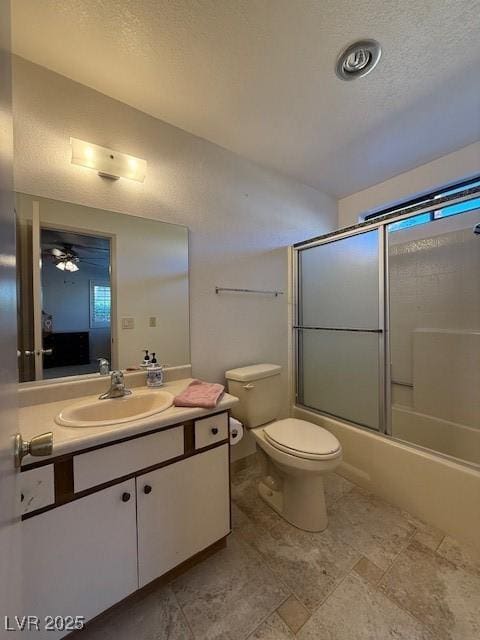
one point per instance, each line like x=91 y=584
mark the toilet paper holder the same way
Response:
x=235 y=430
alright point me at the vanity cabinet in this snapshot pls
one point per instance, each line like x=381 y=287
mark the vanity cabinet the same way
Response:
x=105 y=521
x=210 y=430
x=79 y=559
x=104 y=465
x=37 y=489
x=182 y=509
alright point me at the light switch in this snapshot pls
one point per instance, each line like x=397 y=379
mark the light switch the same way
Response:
x=152 y=321
x=128 y=323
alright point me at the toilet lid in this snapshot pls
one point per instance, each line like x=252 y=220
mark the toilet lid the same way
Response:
x=302 y=438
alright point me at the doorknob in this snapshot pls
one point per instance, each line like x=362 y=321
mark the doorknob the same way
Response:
x=45 y=352
x=41 y=445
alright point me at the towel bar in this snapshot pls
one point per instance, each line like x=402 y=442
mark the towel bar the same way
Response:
x=273 y=292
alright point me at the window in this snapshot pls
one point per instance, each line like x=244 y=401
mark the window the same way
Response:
x=422 y=218
x=435 y=214
x=100 y=304
x=453 y=209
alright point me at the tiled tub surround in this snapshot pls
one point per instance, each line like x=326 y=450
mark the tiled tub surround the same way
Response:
x=434 y=335
x=376 y=572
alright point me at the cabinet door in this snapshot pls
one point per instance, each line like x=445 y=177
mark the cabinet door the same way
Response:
x=79 y=559
x=181 y=509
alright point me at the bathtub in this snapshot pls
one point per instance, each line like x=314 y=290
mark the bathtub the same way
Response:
x=440 y=491
x=434 y=433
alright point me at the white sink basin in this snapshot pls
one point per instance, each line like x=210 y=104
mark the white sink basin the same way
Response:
x=101 y=413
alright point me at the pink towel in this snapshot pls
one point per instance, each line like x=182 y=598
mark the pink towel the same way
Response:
x=200 y=394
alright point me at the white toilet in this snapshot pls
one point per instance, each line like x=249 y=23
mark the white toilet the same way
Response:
x=298 y=453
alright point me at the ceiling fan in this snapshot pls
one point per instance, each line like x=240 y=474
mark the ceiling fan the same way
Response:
x=66 y=260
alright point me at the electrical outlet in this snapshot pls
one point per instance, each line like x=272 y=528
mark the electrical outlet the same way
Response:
x=152 y=322
x=128 y=323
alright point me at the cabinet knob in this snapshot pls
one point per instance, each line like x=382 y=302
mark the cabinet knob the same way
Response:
x=125 y=496
x=214 y=431
x=147 y=489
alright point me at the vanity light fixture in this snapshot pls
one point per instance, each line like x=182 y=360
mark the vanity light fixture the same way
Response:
x=108 y=163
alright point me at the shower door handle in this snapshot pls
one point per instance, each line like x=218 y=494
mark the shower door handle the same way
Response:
x=345 y=329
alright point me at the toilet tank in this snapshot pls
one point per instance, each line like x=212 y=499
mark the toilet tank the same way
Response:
x=258 y=388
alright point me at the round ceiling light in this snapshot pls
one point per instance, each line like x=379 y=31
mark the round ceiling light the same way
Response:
x=358 y=59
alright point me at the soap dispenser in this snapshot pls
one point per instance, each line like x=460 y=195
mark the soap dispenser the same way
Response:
x=146 y=359
x=154 y=373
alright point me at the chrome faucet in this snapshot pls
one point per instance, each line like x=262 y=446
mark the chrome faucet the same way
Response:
x=117 y=386
x=103 y=366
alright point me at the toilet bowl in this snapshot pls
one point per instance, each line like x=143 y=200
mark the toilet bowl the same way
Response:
x=296 y=454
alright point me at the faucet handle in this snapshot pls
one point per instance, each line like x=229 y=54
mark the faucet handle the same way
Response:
x=103 y=366
x=117 y=376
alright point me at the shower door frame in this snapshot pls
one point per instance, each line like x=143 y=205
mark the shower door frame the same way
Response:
x=383 y=381
x=385 y=386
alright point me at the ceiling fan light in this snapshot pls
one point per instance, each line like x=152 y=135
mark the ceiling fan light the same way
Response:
x=70 y=266
x=61 y=265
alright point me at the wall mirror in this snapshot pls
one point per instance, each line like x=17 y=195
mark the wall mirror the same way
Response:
x=95 y=284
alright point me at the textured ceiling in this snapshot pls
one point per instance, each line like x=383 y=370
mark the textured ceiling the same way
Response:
x=256 y=76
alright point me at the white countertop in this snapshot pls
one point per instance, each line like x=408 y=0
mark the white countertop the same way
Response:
x=39 y=418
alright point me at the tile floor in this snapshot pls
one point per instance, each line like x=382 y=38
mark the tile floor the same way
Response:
x=376 y=573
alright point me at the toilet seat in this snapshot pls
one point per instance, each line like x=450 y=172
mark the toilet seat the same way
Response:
x=302 y=439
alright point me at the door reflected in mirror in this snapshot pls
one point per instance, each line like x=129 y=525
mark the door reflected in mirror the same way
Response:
x=76 y=302
x=95 y=285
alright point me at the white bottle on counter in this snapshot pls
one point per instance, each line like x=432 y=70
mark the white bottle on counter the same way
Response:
x=155 y=373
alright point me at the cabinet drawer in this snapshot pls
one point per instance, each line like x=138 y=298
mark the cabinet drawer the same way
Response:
x=96 y=467
x=210 y=430
x=37 y=488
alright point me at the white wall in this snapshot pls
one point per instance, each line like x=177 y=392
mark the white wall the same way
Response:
x=446 y=170
x=241 y=216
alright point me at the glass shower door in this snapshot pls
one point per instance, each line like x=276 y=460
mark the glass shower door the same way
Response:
x=434 y=299
x=340 y=328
